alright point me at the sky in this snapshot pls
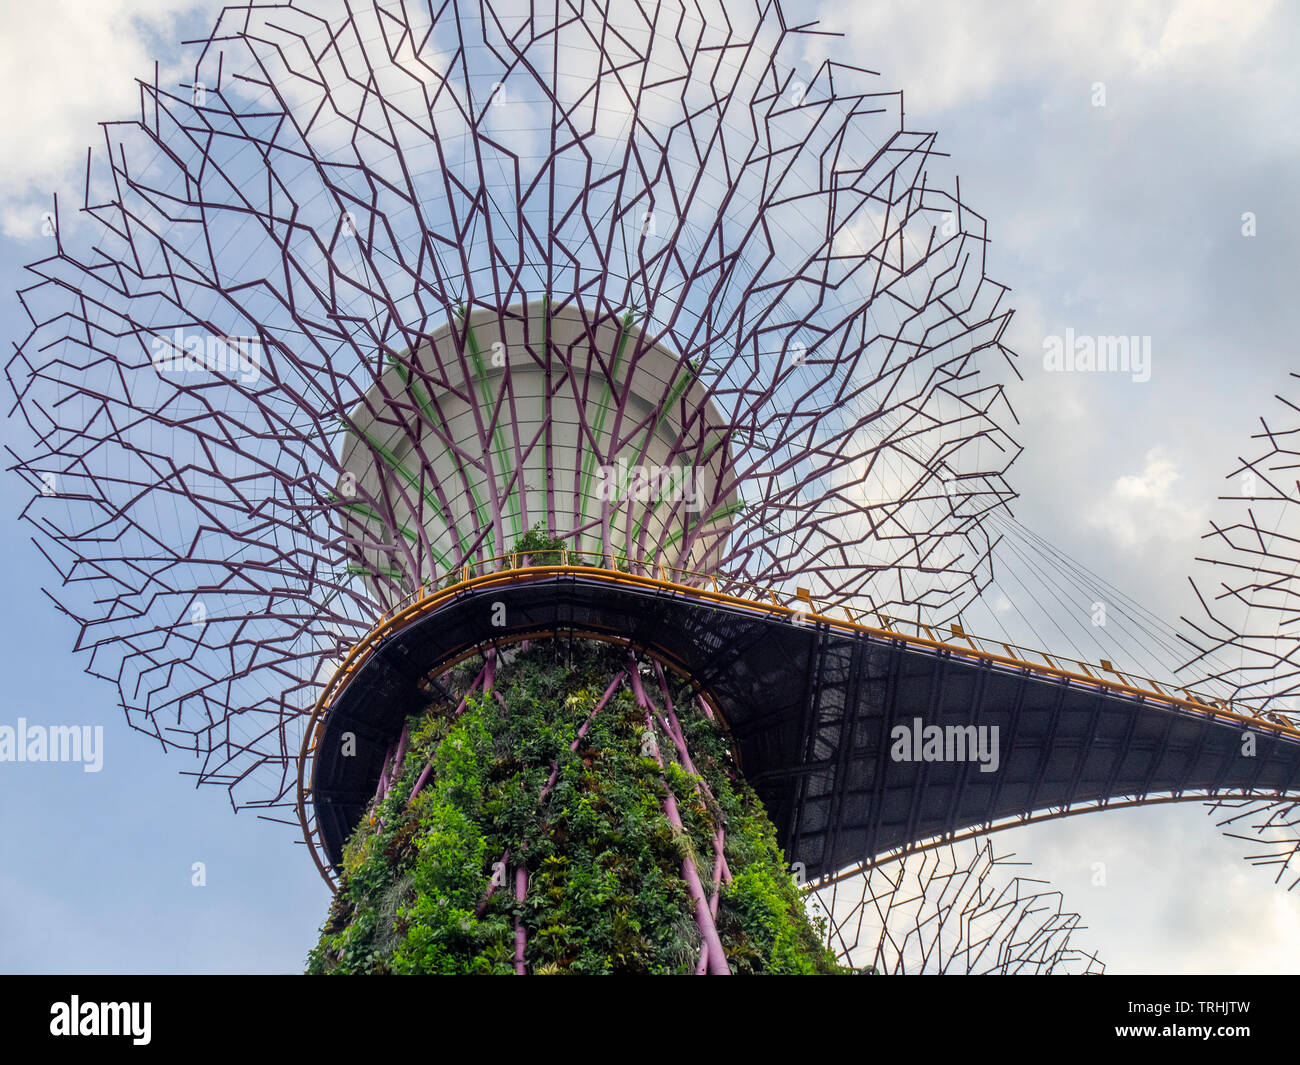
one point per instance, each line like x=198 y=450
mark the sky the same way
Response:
x=1114 y=149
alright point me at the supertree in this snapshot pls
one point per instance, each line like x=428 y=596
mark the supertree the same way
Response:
x=1246 y=636
x=386 y=302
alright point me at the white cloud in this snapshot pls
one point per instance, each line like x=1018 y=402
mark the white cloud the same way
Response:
x=1144 y=506
x=68 y=68
x=1142 y=919
x=957 y=51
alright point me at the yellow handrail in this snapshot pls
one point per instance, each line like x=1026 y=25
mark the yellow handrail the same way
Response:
x=801 y=603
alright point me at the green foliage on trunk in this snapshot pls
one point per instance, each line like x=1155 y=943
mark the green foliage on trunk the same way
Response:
x=605 y=887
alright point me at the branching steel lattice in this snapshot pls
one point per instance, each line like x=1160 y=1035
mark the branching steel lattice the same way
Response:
x=948 y=910
x=1247 y=635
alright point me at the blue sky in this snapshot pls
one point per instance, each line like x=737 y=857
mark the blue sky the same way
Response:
x=1115 y=219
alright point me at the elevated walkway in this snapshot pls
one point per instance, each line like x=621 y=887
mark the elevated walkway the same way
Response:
x=812 y=703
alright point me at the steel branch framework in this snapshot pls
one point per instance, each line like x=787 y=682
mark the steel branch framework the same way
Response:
x=955 y=910
x=1248 y=633
x=297 y=255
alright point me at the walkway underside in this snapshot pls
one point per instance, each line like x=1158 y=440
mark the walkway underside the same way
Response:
x=811 y=704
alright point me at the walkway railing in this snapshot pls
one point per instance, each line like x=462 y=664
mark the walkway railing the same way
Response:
x=952 y=638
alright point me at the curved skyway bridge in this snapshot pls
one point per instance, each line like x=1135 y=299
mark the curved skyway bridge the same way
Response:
x=862 y=735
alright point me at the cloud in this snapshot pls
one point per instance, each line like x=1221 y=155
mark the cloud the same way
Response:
x=1140 y=917
x=72 y=69
x=958 y=51
x=1143 y=507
